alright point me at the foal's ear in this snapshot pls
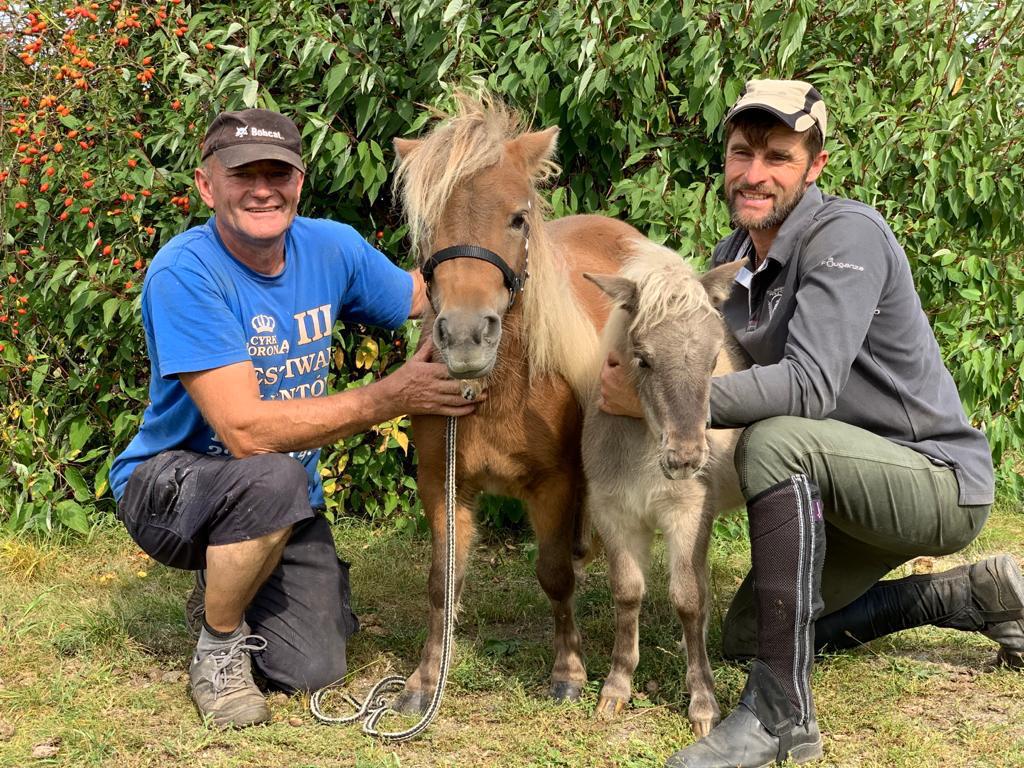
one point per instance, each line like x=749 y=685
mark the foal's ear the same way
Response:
x=621 y=290
x=718 y=282
x=537 y=147
x=405 y=147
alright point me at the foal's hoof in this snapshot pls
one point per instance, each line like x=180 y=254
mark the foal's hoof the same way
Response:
x=609 y=707
x=412 y=702
x=566 y=690
x=702 y=728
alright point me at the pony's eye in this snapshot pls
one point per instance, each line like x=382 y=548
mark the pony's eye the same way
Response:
x=641 y=361
x=518 y=221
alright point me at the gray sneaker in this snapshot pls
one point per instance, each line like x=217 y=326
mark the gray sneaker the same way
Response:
x=222 y=686
x=195 y=606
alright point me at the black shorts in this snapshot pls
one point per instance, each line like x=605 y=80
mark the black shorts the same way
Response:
x=178 y=503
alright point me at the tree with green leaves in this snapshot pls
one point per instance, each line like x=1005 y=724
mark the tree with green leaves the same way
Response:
x=104 y=105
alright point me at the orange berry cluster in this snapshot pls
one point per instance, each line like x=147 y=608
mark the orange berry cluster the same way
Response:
x=183 y=202
x=57 y=171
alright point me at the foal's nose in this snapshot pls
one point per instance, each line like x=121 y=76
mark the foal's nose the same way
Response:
x=682 y=457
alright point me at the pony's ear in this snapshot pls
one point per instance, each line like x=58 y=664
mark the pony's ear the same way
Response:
x=621 y=290
x=718 y=282
x=537 y=147
x=405 y=147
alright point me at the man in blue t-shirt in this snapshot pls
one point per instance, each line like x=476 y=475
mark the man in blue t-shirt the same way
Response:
x=222 y=476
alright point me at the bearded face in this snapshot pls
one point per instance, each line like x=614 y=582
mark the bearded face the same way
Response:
x=763 y=184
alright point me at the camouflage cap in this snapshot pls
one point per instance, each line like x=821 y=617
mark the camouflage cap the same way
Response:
x=237 y=138
x=794 y=102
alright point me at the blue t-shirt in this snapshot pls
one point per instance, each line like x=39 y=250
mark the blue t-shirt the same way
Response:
x=201 y=309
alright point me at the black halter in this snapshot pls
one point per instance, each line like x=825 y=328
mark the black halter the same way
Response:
x=513 y=282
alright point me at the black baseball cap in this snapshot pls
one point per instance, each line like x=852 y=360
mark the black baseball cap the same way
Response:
x=237 y=138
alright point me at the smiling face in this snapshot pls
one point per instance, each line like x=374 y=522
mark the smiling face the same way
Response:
x=255 y=204
x=764 y=181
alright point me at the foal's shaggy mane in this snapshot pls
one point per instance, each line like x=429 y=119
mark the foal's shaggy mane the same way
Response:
x=558 y=336
x=666 y=286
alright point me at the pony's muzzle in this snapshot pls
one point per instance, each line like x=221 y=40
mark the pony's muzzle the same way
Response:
x=468 y=342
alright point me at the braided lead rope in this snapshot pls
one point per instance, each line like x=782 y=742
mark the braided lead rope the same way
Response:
x=375 y=706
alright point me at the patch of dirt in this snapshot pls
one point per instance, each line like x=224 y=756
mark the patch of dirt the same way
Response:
x=48 y=748
x=954 y=699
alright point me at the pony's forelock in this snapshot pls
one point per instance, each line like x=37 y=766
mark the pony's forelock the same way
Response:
x=666 y=285
x=558 y=335
x=463 y=144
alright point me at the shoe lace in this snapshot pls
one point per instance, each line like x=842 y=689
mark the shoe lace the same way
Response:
x=230 y=664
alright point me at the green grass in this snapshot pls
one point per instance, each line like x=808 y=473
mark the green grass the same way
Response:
x=93 y=649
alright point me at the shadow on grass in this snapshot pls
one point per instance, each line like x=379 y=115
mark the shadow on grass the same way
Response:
x=505 y=630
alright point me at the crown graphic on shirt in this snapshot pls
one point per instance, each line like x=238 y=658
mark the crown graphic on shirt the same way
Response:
x=263 y=324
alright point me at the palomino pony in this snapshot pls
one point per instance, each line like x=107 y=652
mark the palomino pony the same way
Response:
x=667 y=470
x=509 y=308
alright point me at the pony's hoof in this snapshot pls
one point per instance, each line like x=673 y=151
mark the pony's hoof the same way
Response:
x=702 y=728
x=609 y=707
x=412 y=702
x=566 y=690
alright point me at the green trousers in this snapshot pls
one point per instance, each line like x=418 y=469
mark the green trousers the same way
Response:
x=884 y=504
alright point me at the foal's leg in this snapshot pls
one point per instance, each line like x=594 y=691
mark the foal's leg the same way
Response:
x=628 y=553
x=420 y=685
x=687 y=527
x=550 y=505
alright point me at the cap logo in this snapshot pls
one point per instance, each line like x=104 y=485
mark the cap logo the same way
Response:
x=266 y=134
x=245 y=130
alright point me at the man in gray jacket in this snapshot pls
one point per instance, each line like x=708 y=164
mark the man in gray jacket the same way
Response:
x=854 y=435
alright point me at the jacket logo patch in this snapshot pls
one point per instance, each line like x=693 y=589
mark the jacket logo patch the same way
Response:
x=774 y=298
x=833 y=264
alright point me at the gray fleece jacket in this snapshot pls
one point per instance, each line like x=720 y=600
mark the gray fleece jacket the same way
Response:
x=835 y=329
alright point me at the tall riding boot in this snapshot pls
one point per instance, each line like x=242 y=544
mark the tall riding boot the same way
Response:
x=775 y=719
x=986 y=597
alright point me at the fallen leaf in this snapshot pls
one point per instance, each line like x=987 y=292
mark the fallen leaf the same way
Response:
x=923 y=565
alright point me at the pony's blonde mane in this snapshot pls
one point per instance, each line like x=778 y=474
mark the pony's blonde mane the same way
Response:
x=558 y=336
x=667 y=286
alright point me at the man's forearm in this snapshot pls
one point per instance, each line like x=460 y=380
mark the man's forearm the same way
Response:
x=230 y=400
x=279 y=426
